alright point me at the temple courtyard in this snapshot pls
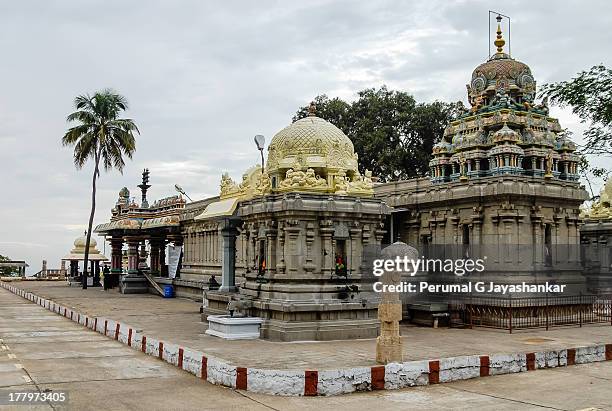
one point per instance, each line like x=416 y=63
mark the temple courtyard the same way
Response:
x=177 y=320
x=44 y=351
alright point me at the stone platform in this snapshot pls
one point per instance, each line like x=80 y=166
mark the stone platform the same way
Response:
x=233 y=328
x=171 y=329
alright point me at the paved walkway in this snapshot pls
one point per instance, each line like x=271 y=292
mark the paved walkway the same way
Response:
x=178 y=321
x=42 y=351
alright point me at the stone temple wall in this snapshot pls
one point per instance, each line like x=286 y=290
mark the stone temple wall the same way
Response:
x=528 y=228
x=305 y=275
x=504 y=209
x=596 y=238
x=203 y=249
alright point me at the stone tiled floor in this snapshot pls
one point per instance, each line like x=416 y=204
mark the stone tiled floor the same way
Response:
x=98 y=374
x=178 y=321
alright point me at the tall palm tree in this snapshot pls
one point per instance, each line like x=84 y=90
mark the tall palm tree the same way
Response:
x=100 y=135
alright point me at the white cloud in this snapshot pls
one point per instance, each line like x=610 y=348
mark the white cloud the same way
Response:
x=203 y=78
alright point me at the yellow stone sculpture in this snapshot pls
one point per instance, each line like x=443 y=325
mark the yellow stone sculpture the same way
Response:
x=254 y=182
x=299 y=180
x=602 y=208
x=311 y=155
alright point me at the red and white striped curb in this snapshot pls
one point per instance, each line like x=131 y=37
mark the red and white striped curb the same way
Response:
x=326 y=382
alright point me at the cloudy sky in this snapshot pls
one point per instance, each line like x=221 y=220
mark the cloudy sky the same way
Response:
x=203 y=77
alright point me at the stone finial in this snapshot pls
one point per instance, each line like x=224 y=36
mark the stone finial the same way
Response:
x=389 y=343
x=499 y=41
x=312 y=109
x=144 y=186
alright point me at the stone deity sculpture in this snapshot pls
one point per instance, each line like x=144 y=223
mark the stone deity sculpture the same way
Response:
x=549 y=164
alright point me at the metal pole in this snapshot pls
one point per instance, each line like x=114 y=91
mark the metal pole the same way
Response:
x=262 y=160
x=510 y=315
x=546 y=311
x=470 y=313
x=580 y=309
x=609 y=304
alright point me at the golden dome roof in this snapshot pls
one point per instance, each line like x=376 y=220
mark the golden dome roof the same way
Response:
x=311 y=142
x=311 y=155
x=82 y=241
x=78 y=252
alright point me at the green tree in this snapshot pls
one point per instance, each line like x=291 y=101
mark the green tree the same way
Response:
x=589 y=94
x=336 y=111
x=5 y=271
x=391 y=132
x=100 y=134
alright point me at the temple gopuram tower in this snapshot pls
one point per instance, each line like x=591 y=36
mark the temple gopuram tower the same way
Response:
x=503 y=183
x=505 y=132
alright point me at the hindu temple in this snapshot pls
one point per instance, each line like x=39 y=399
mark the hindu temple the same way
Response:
x=596 y=238
x=297 y=231
x=76 y=255
x=288 y=242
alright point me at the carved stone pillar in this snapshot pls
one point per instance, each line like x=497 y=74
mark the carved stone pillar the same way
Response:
x=251 y=262
x=536 y=227
x=455 y=220
x=379 y=233
x=291 y=247
x=355 y=256
x=96 y=273
x=228 y=273
x=326 y=231
x=309 y=266
x=206 y=239
x=477 y=219
x=142 y=256
x=240 y=245
x=389 y=343
x=134 y=282
x=74 y=268
x=271 y=251
x=133 y=244
x=201 y=249
x=116 y=255
x=156 y=243
x=280 y=266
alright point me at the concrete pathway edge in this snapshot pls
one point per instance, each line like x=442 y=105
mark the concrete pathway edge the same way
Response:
x=325 y=382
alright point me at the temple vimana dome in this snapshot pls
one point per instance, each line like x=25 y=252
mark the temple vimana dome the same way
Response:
x=310 y=155
x=80 y=244
x=289 y=242
x=505 y=131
